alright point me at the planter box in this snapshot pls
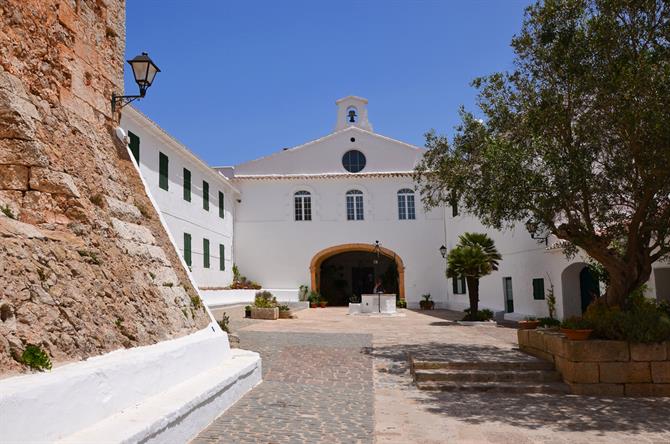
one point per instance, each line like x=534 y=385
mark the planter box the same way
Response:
x=265 y=313
x=354 y=308
x=285 y=314
x=603 y=368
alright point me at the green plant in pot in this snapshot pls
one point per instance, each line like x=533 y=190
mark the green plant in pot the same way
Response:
x=426 y=303
x=284 y=312
x=247 y=311
x=576 y=328
x=323 y=303
x=529 y=323
x=313 y=299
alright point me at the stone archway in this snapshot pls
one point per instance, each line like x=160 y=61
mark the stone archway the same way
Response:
x=321 y=256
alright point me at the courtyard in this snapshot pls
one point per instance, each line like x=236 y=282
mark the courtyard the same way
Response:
x=329 y=377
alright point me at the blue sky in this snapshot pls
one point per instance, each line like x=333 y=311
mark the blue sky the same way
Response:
x=242 y=79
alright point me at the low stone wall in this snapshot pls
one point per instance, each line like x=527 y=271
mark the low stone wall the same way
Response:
x=603 y=368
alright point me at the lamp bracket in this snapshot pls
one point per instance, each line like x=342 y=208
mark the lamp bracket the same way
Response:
x=123 y=100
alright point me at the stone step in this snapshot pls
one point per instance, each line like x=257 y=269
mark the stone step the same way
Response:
x=460 y=375
x=420 y=364
x=495 y=387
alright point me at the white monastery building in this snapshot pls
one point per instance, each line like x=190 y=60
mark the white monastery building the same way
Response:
x=313 y=214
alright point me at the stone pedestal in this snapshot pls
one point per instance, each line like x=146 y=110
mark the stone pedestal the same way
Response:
x=370 y=303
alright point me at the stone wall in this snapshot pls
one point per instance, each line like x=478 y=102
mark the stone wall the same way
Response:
x=603 y=368
x=85 y=265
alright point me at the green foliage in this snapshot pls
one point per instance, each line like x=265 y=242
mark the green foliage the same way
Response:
x=551 y=301
x=549 y=322
x=401 y=303
x=36 y=358
x=284 y=307
x=645 y=321
x=241 y=282
x=576 y=323
x=236 y=273
x=426 y=297
x=574 y=141
x=7 y=211
x=264 y=299
x=196 y=302
x=303 y=292
x=480 y=316
x=224 y=323
x=475 y=256
x=314 y=297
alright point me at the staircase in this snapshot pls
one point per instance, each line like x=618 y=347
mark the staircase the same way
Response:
x=509 y=377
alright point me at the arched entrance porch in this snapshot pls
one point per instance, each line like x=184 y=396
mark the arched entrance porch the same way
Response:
x=580 y=287
x=346 y=269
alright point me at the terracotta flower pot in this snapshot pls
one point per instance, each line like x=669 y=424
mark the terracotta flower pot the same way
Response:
x=312 y=305
x=323 y=304
x=284 y=314
x=528 y=325
x=576 y=335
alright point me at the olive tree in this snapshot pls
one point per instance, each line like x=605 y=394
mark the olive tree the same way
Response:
x=574 y=140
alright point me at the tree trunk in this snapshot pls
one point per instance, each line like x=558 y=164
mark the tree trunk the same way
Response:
x=473 y=294
x=625 y=280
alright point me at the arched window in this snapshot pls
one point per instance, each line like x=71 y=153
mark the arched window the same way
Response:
x=303 y=205
x=406 y=204
x=353 y=161
x=354 y=205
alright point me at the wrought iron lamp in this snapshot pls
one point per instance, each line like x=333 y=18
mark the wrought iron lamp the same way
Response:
x=533 y=228
x=144 y=71
x=443 y=251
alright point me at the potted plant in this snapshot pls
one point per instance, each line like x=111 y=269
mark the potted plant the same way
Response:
x=313 y=299
x=247 y=311
x=529 y=323
x=265 y=306
x=284 y=312
x=426 y=303
x=323 y=303
x=401 y=303
x=576 y=328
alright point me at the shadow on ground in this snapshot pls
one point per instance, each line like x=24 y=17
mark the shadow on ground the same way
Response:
x=560 y=412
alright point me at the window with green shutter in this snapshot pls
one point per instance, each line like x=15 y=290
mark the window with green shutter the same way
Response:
x=187 y=249
x=205 y=253
x=187 y=185
x=163 y=162
x=458 y=285
x=222 y=257
x=134 y=146
x=221 y=205
x=205 y=195
x=538 y=288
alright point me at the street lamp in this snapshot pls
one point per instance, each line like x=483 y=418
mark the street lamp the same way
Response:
x=533 y=228
x=443 y=251
x=144 y=71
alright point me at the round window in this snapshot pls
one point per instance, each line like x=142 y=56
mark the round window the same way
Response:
x=353 y=161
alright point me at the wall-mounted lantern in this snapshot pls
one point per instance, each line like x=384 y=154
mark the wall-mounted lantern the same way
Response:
x=443 y=251
x=144 y=71
x=534 y=228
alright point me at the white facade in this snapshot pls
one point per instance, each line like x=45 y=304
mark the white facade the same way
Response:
x=275 y=246
x=184 y=216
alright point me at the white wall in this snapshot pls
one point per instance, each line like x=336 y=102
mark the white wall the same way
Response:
x=275 y=250
x=183 y=216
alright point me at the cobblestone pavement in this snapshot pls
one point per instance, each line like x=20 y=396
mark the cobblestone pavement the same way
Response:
x=323 y=338
x=317 y=387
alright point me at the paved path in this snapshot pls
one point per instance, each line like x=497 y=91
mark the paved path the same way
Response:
x=319 y=371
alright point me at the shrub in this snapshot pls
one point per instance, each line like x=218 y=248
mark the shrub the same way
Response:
x=426 y=297
x=480 y=316
x=401 y=303
x=284 y=307
x=7 y=211
x=36 y=358
x=224 y=322
x=646 y=321
x=264 y=299
x=314 y=297
x=549 y=322
x=576 y=323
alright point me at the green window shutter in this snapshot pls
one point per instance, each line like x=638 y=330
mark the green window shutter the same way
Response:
x=538 y=288
x=134 y=146
x=205 y=253
x=163 y=162
x=221 y=206
x=205 y=195
x=187 y=249
x=187 y=185
x=222 y=257
x=454 y=285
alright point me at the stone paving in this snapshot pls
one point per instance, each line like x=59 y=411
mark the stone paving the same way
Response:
x=317 y=389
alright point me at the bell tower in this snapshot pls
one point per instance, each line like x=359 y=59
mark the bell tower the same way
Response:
x=352 y=111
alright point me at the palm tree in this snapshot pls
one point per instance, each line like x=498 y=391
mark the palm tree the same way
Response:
x=475 y=256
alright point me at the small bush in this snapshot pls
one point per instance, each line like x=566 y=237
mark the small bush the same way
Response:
x=284 y=308
x=224 y=323
x=549 y=322
x=36 y=358
x=314 y=297
x=576 y=323
x=401 y=303
x=480 y=316
x=7 y=211
x=264 y=299
x=646 y=321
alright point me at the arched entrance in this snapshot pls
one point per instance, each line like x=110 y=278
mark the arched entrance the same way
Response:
x=580 y=287
x=344 y=270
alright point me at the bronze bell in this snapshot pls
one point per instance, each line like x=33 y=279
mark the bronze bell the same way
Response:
x=352 y=116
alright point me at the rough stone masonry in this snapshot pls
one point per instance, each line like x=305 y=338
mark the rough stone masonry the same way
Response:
x=85 y=265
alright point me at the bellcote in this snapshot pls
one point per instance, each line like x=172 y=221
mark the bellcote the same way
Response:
x=352 y=111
